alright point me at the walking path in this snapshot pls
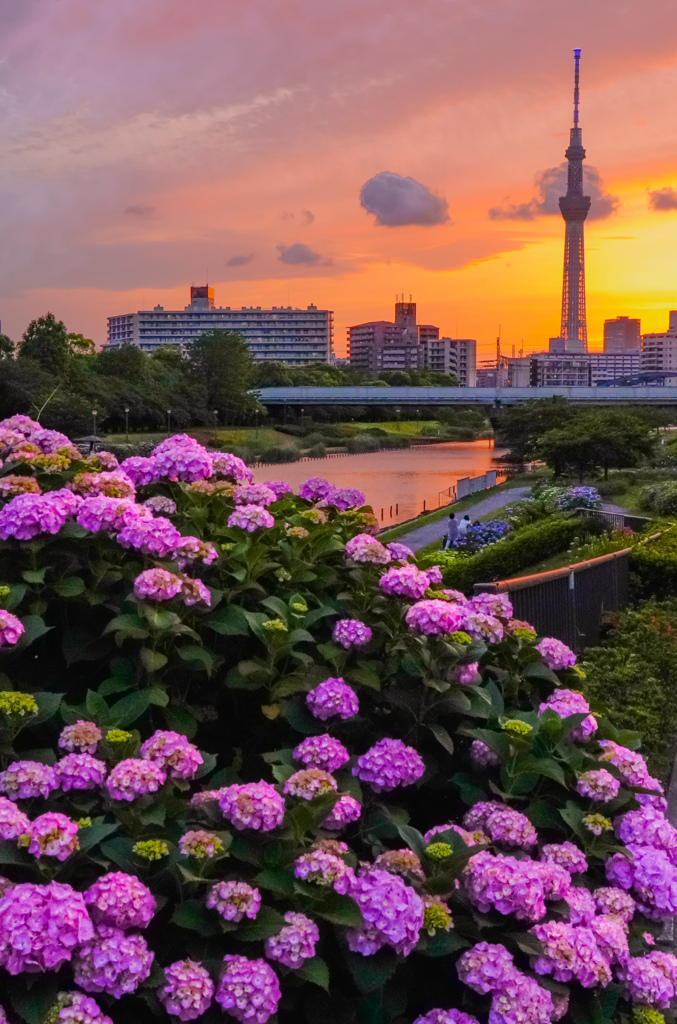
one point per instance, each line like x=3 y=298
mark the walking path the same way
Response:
x=422 y=535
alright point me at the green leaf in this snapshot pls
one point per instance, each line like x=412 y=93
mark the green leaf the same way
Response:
x=152 y=660
x=268 y=922
x=34 y=575
x=442 y=737
x=315 y=971
x=70 y=586
x=48 y=705
x=128 y=709
x=341 y=910
x=193 y=915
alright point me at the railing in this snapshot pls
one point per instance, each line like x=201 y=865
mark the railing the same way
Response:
x=569 y=603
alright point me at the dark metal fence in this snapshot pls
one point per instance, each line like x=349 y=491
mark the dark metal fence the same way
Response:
x=569 y=603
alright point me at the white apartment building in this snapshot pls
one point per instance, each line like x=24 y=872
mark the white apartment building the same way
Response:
x=659 y=351
x=452 y=355
x=292 y=336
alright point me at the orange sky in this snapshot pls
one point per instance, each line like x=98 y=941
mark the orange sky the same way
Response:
x=150 y=143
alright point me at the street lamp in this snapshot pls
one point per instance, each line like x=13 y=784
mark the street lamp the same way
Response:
x=127 y=424
x=169 y=415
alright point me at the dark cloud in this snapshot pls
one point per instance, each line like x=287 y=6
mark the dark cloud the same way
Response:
x=308 y=217
x=140 y=211
x=663 y=198
x=550 y=185
x=240 y=260
x=299 y=254
x=397 y=201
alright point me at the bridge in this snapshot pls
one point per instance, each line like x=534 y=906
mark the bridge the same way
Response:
x=496 y=397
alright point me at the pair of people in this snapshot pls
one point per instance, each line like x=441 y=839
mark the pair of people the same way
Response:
x=455 y=529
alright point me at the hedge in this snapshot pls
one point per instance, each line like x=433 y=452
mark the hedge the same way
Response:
x=511 y=556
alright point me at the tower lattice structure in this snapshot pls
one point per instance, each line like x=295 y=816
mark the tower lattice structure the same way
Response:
x=574 y=206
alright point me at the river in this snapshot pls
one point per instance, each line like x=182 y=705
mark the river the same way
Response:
x=397 y=482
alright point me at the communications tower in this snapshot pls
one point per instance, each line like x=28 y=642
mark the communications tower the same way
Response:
x=574 y=206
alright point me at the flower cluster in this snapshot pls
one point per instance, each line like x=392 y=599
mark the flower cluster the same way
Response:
x=389 y=764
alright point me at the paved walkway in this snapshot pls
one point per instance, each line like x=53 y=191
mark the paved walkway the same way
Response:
x=422 y=535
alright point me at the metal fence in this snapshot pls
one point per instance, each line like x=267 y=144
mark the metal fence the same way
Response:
x=569 y=603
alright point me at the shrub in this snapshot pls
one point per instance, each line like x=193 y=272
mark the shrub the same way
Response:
x=512 y=555
x=633 y=677
x=253 y=804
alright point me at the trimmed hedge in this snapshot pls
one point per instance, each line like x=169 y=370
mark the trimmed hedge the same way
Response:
x=511 y=556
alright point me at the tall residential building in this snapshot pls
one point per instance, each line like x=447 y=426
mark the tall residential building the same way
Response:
x=292 y=336
x=382 y=345
x=622 y=334
x=574 y=207
x=659 y=351
x=452 y=355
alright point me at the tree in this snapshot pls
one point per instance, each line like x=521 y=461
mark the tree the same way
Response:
x=6 y=347
x=46 y=341
x=223 y=363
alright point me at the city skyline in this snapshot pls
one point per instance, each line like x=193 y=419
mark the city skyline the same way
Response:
x=287 y=157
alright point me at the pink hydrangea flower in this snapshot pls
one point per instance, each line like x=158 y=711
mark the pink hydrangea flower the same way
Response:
x=555 y=654
x=295 y=943
x=13 y=822
x=112 y=962
x=121 y=901
x=432 y=617
x=331 y=698
x=351 y=633
x=26 y=779
x=255 y=805
x=254 y=494
x=345 y=810
x=365 y=548
x=225 y=464
x=11 y=628
x=188 y=990
x=389 y=764
x=405 y=580
x=309 y=783
x=392 y=911
x=599 y=785
x=251 y=517
x=157 y=585
x=322 y=752
x=248 y=990
x=134 y=777
x=173 y=753
x=141 y=471
x=40 y=926
x=82 y=737
x=234 y=900
x=80 y=771
x=314 y=489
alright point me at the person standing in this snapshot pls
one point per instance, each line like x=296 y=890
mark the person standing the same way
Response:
x=452 y=531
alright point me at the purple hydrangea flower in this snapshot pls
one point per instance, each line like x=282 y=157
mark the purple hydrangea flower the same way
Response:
x=254 y=494
x=234 y=900
x=345 y=810
x=483 y=756
x=567 y=855
x=112 y=962
x=53 y=835
x=315 y=489
x=326 y=869
x=405 y=580
x=151 y=535
x=188 y=991
x=344 y=498
x=134 y=777
x=432 y=617
x=173 y=753
x=365 y=548
x=295 y=943
x=248 y=989
x=225 y=464
x=599 y=785
x=487 y=967
x=255 y=805
x=323 y=752
x=497 y=605
x=309 y=783
x=80 y=771
x=11 y=628
x=82 y=737
x=40 y=926
x=251 y=517
x=121 y=901
x=351 y=633
x=399 y=552
x=140 y=471
x=568 y=702
x=26 y=779
x=555 y=654
x=331 y=698
x=13 y=822
x=389 y=764
x=392 y=911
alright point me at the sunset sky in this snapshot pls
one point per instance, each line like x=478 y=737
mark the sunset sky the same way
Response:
x=148 y=144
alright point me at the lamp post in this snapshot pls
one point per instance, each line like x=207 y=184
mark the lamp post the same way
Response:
x=127 y=424
x=169 y=416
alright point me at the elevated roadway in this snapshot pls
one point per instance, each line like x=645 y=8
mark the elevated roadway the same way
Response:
x=410 y=396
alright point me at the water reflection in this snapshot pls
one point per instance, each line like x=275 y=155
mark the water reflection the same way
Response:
x=399 y=482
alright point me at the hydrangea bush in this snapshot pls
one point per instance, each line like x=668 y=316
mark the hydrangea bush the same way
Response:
x=254 y=768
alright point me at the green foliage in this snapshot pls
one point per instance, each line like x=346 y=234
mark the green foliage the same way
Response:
x=509 y=557
x=632 y=677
